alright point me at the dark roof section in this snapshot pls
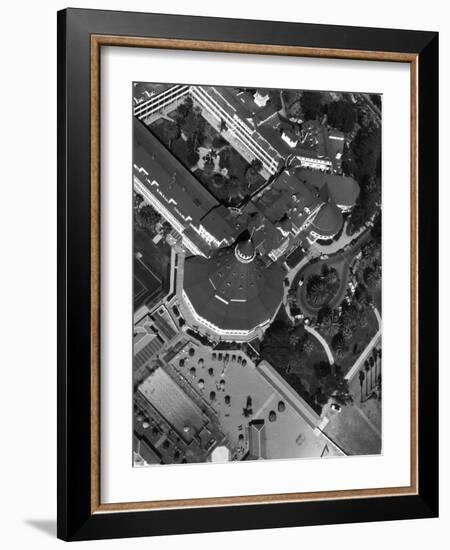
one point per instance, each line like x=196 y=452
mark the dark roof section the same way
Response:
x=245 y=250
x=265 y=235
x=220 y=223
x=328 y=220
x=344 y=190
x=287 y=196
x=173 y=404
x=146 y=450
x=314 y=145
x=173 y=177
x=257 y=440
x=231 y=294
x=179 y=191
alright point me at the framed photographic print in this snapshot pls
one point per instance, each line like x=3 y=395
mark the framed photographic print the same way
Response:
x=247 y=252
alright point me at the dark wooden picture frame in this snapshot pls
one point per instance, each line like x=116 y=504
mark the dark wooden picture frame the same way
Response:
x=81 y=34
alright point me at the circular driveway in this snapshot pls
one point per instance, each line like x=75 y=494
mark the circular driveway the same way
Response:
x=341 y=265
x=340 y=261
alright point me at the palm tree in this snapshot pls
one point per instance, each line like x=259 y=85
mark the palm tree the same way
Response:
x=361 y=380
x=339 y=345
x=371 y=363
x=366 y=368
x=375 y=357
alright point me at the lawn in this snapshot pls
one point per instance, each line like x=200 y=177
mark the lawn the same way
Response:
x=294 y=365
x=360 y=338
x=357 y=428
x=304 y=371
x=162 y=128
x=377 y=299
x=351 y=430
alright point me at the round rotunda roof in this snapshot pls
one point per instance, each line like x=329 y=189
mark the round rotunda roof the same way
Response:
x=234 y=290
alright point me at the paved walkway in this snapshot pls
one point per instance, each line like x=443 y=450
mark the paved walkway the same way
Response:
x=366 y=419
x=341 y=260
x=377 y=315
x=336 y=246
x=342 y=264
x=351 y=373
x=322 y=340
x=301 y=264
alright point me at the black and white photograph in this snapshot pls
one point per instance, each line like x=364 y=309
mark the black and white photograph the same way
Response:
x=257 y=273
x=228 y=242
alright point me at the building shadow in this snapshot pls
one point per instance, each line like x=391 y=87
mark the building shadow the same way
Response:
x=46 y=526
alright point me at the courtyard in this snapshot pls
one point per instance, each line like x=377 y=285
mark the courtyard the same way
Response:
x=200 y=147
x=240 y=392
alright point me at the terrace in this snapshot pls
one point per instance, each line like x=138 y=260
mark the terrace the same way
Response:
x=239 y=392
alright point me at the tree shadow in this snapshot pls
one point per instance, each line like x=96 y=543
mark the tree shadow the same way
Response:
x=47 y=526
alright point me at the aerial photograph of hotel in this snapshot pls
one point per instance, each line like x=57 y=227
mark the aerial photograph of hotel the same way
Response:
x=257 y=274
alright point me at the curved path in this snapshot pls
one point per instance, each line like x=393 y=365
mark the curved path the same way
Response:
x=376 y=338
x=341 y=260
x=322 y=340
x=358 y=363
x=373 y=342
x=341 y=265
x=377 y=315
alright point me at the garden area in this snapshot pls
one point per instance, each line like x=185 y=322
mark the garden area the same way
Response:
x=301 y=360
x=201 y=148
x=340 y=295
x=362 y=160
x=357 y=429
x=321 y=288
x=351 y=326
x=349 y=332
x=324 y=282
x=228 y=176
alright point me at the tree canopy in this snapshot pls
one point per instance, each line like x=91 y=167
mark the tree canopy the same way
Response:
x=274 y=98
x=311 y=103
x=320 y=288
x=147 y=217
x=339 y=345
x=342 y=115
x=366 y=150
x=332 y=384
x=224 y=159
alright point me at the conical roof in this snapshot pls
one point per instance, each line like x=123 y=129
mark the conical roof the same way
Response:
x=344 y=190
x=232 y=294
x=245 y=251
x=328 y=220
